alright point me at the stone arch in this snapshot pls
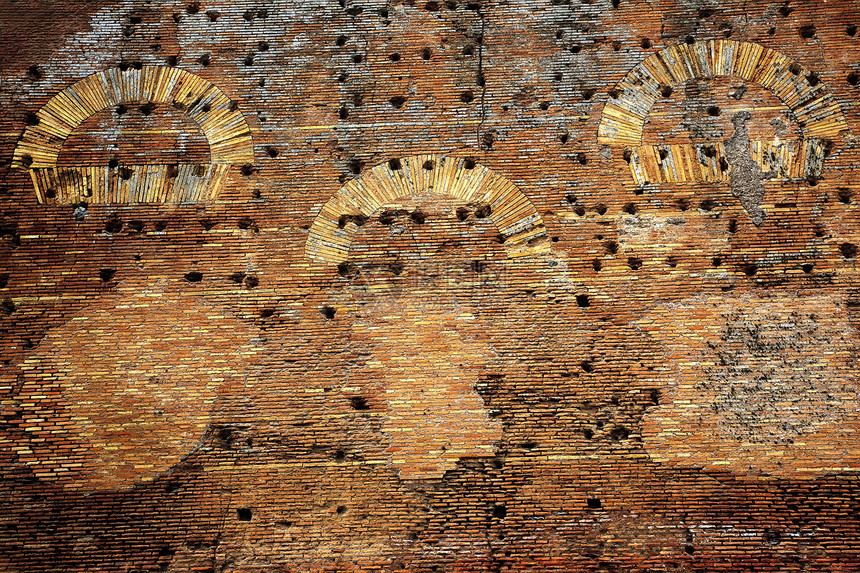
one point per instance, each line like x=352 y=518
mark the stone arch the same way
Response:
x=624 y=115
x=513 y=214
x=224 y=127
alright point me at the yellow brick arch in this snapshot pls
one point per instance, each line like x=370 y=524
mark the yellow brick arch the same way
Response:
x=624 y=114
x=512 y=213
x=224 y=127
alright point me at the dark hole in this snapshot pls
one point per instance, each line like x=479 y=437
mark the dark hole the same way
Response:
x=34 y=73
x=467 y=96
x=431 y=6
x=137 y=65
x=173 y=171
x=194 y=277
x=646 y=43
x=570 y=197
x=627 y=155
x=272 y=151
x=354 y=10
x=634 y=263
x=563 y=138
x=851 y=30
x=243 y=514
x=596 y=264
x=478 y=266
x=247 y=170
x=341 y=509
x=237 y=277
x=806 y=31
x=469 y=163
x=500 y=511
x=600 y=208
x=689 y=549
x=663 y=153
x=795 y=68
x=813 y=79
x=27 y=160
x=579 y=210
x=807 y=268
x=249 y=15
x=614 y=93
x=483 y=211
x=771 y=31
x=147 y=108
x=853 y=78
x=705 y=12
x=611 y=247
x=426 y=53
x=713 y=110
x=340 y=455
x=582 y=300
x=672 y=261
x=397 y=101
x=51 y=193
x=106 y=274
x=772 y=536
x=619 y=433
x=429 y=165
x=213 y=15
x=395 y=57
x=845 y=196
x=717 y=261
x=848 y=250
x=343 y=113
x=707 y=205
x=357 y=58
x=204 y=60
x=587 y=366
x=359 y=403
x=251 y=281
x=249 y=60
x=328 y=312
x=267 y=312
x=125 y=173
x=690 y=40
x=749 y=269
x=582 y=158
x=724 y=165
x=630 y=208
x=207 y=224
x=683 y=204
x=113 y=226
x=594 y=503
x=31 y=118
x=666 y=90
x=462 y=213
x=530 y=445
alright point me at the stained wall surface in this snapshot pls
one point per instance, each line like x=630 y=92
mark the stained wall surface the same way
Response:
x=533 y=285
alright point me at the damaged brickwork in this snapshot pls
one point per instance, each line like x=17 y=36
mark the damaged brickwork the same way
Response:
x=455 y=286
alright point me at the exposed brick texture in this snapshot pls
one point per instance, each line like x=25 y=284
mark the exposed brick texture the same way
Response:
x=429 y=286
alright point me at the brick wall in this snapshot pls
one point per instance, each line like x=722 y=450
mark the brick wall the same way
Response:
x=429 y=286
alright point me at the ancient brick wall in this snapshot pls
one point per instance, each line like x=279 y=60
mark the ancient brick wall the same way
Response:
x=531 y=285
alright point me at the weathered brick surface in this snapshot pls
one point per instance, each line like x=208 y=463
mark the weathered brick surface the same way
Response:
x=632 y=346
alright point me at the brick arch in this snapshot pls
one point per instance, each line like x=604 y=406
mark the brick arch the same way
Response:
x=512 y=213
x=224 y=127
x=623 y=117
